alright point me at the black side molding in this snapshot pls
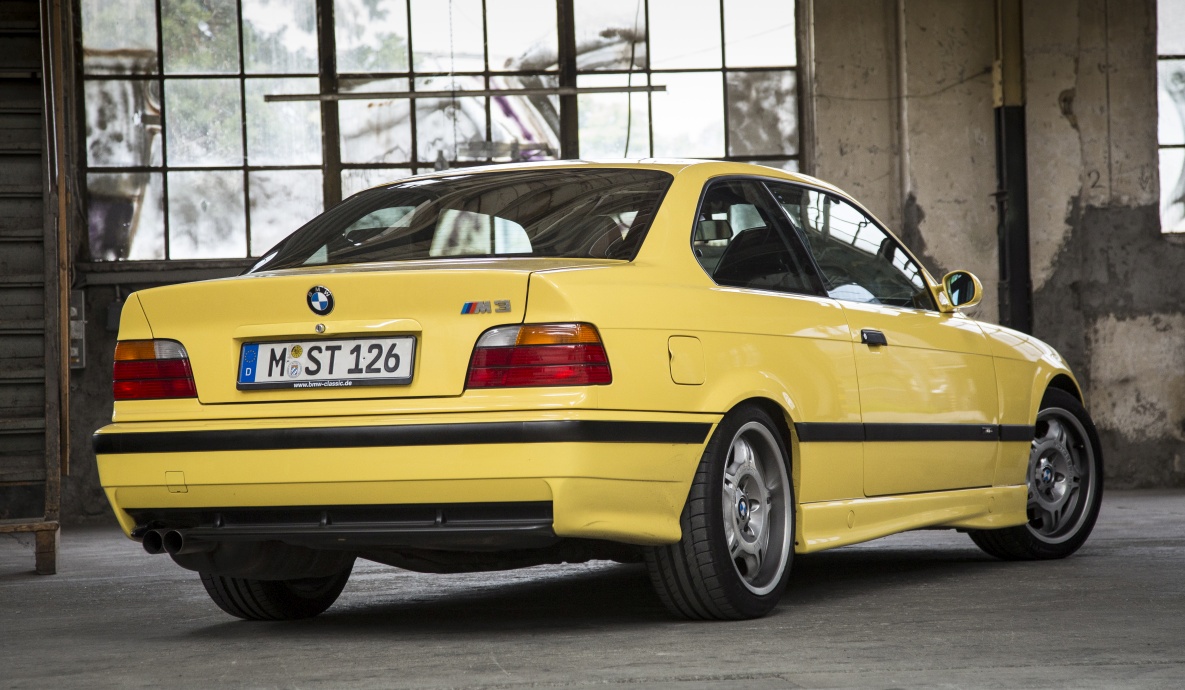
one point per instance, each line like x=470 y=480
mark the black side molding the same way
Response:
x=814 y=432
x=558 y=431
x=827 y=431
x=1017 y=432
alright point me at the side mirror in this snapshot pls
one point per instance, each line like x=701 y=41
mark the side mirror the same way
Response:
x=963 y=289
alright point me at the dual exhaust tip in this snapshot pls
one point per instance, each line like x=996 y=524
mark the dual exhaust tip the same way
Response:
x=174 y=542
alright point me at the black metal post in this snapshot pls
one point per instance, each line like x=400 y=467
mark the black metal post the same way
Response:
x=569 y=114
x=1012 y=196
x=331 y=159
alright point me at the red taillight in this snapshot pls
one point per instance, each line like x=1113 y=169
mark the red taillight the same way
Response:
x=151 y=370
x=567 y=354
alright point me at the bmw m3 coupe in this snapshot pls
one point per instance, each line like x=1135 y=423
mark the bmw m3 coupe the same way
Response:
x=709 y=367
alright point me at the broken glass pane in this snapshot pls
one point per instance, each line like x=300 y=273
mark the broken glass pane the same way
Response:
x=608 y=33
x=123 y=123
x=280 y=36
x=1172 y=190
x=762 y=113
x=206 y=215
x=371 y=37
x=448 y=36
x=284 y=132
x=521 y=35
x=281 y=201
x=523 y=128
x=357 y=179
x=200 y=36
x=204 y=122
x=448 y=129
x=684 y=34
x=607 y=123
x=377 y=131
x=689 y=115
x=759 y=33
x=1170 y=27
x=119 y=36
x=125 y=216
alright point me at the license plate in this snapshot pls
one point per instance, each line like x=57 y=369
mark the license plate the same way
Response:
x=327 y=363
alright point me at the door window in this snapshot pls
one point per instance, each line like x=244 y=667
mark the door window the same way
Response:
x=858 y=260
x=742 y=240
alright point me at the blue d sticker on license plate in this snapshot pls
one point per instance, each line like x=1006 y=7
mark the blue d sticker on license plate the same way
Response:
x=327 y=363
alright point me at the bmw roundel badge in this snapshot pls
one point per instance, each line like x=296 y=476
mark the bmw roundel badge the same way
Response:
x=320 y=300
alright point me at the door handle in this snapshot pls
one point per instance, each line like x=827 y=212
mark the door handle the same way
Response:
x=872 y=337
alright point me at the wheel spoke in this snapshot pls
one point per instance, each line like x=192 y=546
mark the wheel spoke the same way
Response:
x=740 y=457
x=1058 y=431
x=735 y=545
x=752 y=564
x=730 y=495
x=1046 y=518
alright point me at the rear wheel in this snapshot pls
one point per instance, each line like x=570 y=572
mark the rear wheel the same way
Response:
x=738 y=526
x=275 y=600
x=1065 y=481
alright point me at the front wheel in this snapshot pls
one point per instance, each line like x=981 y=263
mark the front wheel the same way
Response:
x=1065 y=483
x=275 y=600
x=738 y=526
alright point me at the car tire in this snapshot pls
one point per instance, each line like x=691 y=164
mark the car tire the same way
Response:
x=732 y=562
x=1065 y=480
x=275 y=600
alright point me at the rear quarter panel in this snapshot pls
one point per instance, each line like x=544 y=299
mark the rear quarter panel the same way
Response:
x=792 y=350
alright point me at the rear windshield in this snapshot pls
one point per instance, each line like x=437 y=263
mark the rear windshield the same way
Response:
x=598 y=214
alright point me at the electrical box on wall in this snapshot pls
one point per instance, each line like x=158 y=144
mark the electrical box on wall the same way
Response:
x=77 y=329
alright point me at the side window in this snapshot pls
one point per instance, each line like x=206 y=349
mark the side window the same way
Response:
x=859 y=261
x=743 y=240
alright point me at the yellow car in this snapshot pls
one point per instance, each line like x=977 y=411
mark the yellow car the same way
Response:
x=707 y=366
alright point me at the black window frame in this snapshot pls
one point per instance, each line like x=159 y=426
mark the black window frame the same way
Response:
x=790 y=235
x=927 y=279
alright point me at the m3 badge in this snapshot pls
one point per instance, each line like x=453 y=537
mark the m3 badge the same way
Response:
x=500 y=306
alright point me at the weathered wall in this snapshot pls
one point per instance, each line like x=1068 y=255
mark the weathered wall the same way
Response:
x=1108 y=289
x=90 y=408
x=946 y=213
x=855 y=140
x=1107 y=284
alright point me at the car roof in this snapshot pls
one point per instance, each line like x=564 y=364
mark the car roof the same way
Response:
x=674 y=166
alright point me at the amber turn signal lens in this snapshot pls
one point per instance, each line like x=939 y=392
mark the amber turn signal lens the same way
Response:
x=557 y=334
x=128 y=350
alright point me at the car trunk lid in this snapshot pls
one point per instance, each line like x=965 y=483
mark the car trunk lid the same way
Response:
x=444 y=306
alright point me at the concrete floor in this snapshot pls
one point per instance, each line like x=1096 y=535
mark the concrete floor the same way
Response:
x=920 y=609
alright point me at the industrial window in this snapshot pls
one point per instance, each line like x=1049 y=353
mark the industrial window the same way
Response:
x=1170 y=50
x=216 y=127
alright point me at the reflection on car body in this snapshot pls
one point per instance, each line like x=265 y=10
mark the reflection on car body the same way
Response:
x=709 y=367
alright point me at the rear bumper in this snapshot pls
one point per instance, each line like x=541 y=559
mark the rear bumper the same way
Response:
x=617 y=476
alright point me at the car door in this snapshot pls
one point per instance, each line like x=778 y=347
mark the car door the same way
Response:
x=927 y=381
x=782 y=329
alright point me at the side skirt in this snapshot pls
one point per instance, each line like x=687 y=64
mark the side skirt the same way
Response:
x=829 y=524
